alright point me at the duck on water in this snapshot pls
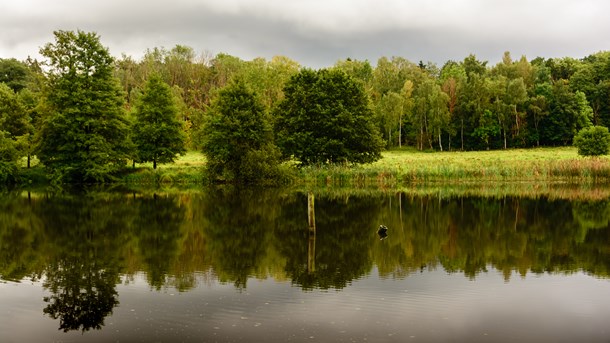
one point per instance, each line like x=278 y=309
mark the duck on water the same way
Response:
x=382 y=231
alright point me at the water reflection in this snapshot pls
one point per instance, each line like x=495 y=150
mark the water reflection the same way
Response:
x=83 y=245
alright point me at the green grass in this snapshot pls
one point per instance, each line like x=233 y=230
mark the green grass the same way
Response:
x=407 y=167
x=524 y=165
x=185 y=169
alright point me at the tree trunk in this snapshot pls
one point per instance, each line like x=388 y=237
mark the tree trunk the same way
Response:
x=449 y=138
x=440 y=143
x=462 y=133
x=516 y=119
x=29 y=158
x=421 y=136
x=400 y=131
x=154 y=163
x=537 y=133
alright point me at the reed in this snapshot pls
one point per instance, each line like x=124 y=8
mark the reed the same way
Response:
x=399 y=167
x=405 y=167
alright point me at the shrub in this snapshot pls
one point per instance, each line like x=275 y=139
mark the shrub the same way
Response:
x=593 y=141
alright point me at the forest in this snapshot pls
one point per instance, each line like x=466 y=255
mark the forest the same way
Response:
x=461 y=105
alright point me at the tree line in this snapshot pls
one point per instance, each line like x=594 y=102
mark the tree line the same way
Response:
x=85 y=114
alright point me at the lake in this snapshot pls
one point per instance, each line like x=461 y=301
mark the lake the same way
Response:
x=231 y=265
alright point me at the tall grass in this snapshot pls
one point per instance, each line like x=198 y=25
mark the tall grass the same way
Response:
x=398 y=167
x=406 y=167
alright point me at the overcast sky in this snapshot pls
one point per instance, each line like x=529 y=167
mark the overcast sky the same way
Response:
x=317 y=33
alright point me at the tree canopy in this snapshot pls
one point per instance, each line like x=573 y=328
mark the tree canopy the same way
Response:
x=238 y=141
x=84 y=136
x=325 y=118
x=70 y=109
x=157 y=131
x=593 y=141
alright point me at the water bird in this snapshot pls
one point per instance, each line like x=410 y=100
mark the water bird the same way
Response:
x=382 y=232
x=382 y=229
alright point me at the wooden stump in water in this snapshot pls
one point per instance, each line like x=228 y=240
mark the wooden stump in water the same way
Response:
x=311 y=247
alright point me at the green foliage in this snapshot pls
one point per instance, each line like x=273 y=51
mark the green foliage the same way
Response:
x=84 y=245
x=84 y=137
x=8 y=160
x=325 y=118
x=487 y=128
x=13 y=73
x=157 y=131
x=71 y=112
x=237 y=138
x=13 y=116
x=593 y=141
x=15 y=119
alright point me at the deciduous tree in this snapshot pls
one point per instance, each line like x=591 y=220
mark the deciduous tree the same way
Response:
x=325 y=118
x=237 y=138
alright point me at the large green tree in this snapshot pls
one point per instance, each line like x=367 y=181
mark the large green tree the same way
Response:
x=237 y=138
x=84 y=137
x=325 y=118
x=157 y=132
x=13 y=114
x=15 y=120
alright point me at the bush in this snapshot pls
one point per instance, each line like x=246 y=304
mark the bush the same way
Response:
x=8 y=173
x=593 y=141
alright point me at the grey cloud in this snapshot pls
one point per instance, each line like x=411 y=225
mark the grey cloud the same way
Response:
x=250 y=29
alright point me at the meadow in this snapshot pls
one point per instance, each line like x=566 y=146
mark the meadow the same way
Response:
x=515 y=165
x=409 y=167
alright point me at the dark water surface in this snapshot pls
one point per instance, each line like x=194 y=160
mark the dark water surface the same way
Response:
x=245 y=266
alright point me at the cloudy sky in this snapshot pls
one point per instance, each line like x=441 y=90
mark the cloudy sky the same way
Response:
x=317 y=33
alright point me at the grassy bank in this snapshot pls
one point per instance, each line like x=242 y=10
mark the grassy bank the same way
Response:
x=187 y=169
x=406 y=168
x=400 y=167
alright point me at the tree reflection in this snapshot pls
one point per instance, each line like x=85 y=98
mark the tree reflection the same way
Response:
x=85 y=235
x=84 y=243
x=240 y=228
x=20 y=239
x=157 y=228
x=343 y=237
x=82 y=295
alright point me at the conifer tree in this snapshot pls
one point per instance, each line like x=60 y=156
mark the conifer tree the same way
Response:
x=84 y=138
x=157 y=131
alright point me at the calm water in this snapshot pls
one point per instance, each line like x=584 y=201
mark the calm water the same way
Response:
x=244 y=266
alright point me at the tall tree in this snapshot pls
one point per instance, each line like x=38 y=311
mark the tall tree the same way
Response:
x=84 y=138
x=15 y=120
x=431 y=113
x=13 y=114
x=157 y=131
x=453 y=78
x=569 y=112
x=237 y=138
x=325 y=118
